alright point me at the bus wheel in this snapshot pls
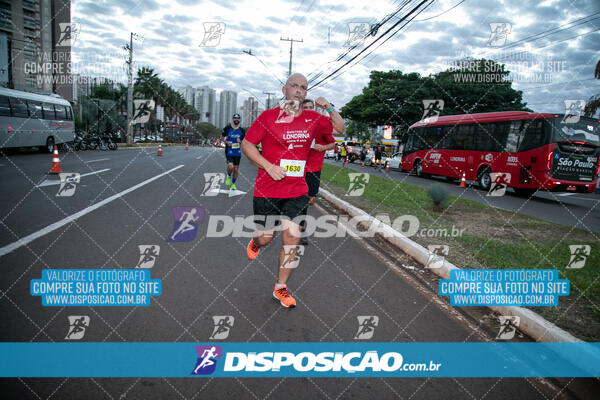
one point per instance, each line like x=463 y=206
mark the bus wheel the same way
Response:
x=485 y=179
x=49 y=145
x=418 y=168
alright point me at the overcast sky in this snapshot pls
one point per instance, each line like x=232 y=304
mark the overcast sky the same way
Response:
x=558 y=66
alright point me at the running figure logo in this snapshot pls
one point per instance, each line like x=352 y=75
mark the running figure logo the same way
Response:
x=77 y=326
x=499 y=33
x=148 y=255
x=357 y=32
x=291 y=255
x=207 y=359
x=212 y=183
x=438 y=253
x=68 y=33
x=143 y=109
x=186 y=223
x=68 y=184
x=432 y=110
x=223 y=324
x=500 y=181
x=358 y=183
x=573 y=111
x=212 y=34
x=288 y=111
x=366 y=326
x=579 y=254
x=508 y=327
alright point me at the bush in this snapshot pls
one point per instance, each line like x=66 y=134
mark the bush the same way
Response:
x=439 y=195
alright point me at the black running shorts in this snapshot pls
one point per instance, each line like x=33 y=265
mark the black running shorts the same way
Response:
x=288 y=207
x=313 y=180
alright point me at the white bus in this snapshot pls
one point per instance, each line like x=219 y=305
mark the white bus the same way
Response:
x=29 y=119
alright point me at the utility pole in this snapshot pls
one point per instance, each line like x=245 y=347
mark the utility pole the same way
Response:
x=291 y=46
x=130 y=91
x=269 y=98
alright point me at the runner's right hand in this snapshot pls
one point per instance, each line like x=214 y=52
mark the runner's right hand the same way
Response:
x=275 y=172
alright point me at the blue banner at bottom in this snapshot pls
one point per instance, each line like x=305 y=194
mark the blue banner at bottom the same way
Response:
x=223 y=359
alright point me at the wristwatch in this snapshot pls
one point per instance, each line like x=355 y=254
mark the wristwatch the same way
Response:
x=332 y=107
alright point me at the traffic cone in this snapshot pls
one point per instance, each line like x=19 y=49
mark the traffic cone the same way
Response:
x=55 y=162
x=186 y=145
x=159 y=150
x=463 y=182
x=387 y=167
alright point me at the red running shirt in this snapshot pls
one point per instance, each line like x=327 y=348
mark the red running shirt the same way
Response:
x=286 y=142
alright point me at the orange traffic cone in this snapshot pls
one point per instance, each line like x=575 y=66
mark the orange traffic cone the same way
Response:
x=463 y=182
x=387 y=167
x=186 y=146
x=159 y=150
x=55 y=162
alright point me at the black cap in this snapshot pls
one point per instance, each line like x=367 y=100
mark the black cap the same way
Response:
x=236 y=115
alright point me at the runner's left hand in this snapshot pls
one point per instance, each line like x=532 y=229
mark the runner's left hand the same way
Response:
x=322 y=103
x=319 y=147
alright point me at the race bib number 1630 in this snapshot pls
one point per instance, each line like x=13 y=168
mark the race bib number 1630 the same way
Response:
x=293 y=167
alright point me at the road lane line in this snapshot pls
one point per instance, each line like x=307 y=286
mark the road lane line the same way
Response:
x=100 y=159
x=49 y=182
x=31 y=237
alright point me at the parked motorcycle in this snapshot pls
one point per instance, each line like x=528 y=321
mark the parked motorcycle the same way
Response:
x=79 y=143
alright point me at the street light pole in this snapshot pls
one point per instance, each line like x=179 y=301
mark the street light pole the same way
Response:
x=268 y=98
x=291 y=46
x=130 y=92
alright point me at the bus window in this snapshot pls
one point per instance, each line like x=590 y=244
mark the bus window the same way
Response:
x=48 y=111
x=35 y=109
x=4 y=106
x=69 y=113
x=500 y=135
x=484 y=137
x=463 y=138
x=533 y=135
x=19 y=108
x=514 y=134
x=61 y=113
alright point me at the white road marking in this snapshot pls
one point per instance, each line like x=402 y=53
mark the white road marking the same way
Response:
x=100 y=159
x=31 y=237
x=229 y=192
x=565 y=194
x=49 y=182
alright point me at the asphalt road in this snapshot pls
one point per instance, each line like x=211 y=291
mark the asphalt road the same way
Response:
x=338 y=280
x=572 y=209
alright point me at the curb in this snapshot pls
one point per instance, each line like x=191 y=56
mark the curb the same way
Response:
x=533 y=324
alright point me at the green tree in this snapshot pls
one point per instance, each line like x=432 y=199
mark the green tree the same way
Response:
x=207 y=130
x=394 y=98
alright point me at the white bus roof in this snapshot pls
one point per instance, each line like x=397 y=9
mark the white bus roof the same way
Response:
x=33 y=96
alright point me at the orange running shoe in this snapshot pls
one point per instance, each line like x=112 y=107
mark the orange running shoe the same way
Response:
x=252 y=250
x=284 y=297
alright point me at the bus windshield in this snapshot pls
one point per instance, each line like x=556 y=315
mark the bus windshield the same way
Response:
x=586 y=130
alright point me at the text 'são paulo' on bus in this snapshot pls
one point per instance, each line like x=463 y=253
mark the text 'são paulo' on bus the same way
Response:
x=530 y=151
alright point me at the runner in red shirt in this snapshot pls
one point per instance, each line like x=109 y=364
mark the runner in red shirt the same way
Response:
x=280 y=189
x=314 y=164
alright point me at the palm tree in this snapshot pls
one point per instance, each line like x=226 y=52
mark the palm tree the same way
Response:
x=593 y=103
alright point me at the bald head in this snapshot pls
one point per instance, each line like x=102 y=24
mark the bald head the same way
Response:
x=295 y=88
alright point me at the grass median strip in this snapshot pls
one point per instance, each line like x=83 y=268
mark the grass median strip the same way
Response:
x=481 y=236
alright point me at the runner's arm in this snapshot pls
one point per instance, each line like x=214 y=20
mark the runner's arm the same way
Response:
x=337 y=122
x=275 y=171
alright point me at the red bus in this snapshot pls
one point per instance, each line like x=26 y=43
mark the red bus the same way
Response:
x=539 y=151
